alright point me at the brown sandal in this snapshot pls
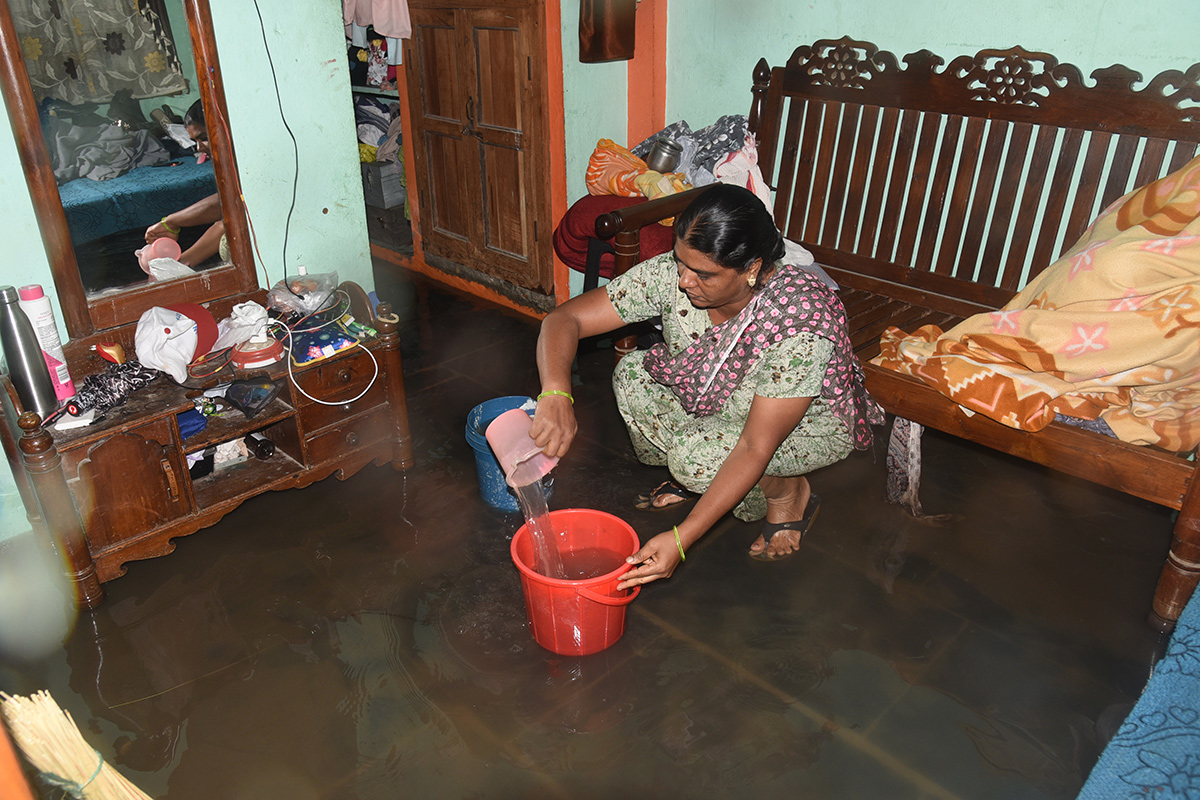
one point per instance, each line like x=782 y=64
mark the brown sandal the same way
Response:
x=801 y=526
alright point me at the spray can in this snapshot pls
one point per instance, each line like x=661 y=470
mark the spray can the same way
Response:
x=23 y=357
x=36 y=306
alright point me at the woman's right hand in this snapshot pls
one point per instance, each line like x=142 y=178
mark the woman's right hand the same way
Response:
x=554 y=426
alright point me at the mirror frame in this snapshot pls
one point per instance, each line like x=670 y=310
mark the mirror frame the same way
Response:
x=87 y=319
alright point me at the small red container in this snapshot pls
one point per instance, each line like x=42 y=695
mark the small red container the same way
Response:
x=577 y=617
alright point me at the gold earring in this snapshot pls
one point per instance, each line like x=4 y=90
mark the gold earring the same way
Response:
x=750 y=281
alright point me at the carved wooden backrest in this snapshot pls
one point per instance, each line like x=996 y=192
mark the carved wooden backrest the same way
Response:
x=984 y=170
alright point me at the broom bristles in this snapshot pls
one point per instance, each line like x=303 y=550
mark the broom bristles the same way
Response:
x=52 y=742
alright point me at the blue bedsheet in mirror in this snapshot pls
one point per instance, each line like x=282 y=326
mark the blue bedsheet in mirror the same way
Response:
x=134 y=200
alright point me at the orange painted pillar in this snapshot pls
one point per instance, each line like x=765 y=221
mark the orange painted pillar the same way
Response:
x=647 y=73
x=556 y=118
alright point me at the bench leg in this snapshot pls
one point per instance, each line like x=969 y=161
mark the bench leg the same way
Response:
x=1182 y=570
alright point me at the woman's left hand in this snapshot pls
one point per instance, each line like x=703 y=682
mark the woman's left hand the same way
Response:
x=658 y=558
x=159 y=231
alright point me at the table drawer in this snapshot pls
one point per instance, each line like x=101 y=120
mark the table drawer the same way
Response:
x=356 y=433
x=337 y=379
x=316 y=416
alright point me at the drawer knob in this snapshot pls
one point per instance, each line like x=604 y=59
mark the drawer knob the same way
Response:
x=346 y=407
x=352 y=438
x=344 y=376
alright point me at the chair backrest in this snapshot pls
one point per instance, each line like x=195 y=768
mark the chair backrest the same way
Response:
x=982 y=172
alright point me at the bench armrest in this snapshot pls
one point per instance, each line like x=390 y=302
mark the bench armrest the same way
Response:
x=625 y=224
x=634 y=218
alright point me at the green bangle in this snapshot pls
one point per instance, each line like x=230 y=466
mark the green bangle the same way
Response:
x=557 y=392
x=678 y=543
x=163 y=222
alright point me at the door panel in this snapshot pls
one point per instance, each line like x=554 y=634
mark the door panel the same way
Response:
x=505 y=232
x=438 y=51
x=499 y=67
x=448 y=201
x=446 y=164
x=479 y=122
x=130 y=483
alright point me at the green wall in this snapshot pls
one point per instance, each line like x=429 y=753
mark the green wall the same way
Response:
x=713 y=45
x=594 y=105
x=183 y=44
x=328 y=226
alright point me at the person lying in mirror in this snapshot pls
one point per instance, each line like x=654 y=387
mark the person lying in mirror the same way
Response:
x=754 y=387
x=202 y=212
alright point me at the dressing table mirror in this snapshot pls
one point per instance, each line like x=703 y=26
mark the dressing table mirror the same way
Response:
x=123 y=488
x=92 y=316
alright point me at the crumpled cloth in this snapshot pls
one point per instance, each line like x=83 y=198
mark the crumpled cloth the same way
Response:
x=740 y=168
x=389 y=17
x=612 y=169
x=100 y=153
x=105 y=390
x=702 y=149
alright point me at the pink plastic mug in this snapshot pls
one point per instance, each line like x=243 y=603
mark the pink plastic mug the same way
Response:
x=162 y=247
x=521 y=459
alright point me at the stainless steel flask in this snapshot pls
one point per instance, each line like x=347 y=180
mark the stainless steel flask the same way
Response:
x=23 y=357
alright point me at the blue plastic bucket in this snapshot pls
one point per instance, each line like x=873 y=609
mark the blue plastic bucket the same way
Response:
x=492 y=486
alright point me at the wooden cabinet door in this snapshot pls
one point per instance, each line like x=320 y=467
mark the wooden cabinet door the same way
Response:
x=130 y=484
x=478 y=111
x=442 y=144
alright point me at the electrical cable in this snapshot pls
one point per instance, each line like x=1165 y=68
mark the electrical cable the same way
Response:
x=288 y=346
x=295 y=145
x=225 y=353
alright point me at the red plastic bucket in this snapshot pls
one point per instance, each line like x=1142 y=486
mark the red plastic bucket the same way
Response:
x=577 y=617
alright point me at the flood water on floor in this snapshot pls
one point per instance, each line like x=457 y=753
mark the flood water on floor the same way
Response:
x=367 y=639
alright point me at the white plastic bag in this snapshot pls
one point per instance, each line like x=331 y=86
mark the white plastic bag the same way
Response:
x=302 y=294
x=165 y=269
x=247 y=321
x=166 y=340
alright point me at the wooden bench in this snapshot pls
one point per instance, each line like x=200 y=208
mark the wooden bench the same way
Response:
x=935 y=191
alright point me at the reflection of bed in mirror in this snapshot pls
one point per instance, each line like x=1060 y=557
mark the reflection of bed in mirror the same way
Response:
x=108 y=219
x=112 y=115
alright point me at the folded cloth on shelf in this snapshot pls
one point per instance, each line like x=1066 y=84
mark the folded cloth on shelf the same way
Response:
x=1110 y=331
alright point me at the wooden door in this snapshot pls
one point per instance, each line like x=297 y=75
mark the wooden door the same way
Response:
x=477 y=108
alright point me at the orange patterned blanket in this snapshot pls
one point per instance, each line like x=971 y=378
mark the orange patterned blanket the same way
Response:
x=1110 y=331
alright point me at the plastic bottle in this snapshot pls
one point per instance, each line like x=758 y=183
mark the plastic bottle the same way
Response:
x=23 y=357
x=36 y=306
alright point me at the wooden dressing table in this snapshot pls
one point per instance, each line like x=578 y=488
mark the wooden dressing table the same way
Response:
x=119 y=490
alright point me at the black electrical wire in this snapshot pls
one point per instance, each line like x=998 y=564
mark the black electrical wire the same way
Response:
x=295 y=145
